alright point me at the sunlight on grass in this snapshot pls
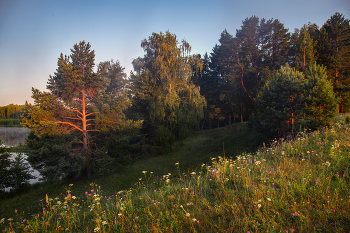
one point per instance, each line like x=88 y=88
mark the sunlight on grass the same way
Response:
x=299 y=185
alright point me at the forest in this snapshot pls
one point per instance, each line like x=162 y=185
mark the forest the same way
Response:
x=91 y=118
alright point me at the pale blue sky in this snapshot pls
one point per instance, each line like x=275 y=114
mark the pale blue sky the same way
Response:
x=33 y=33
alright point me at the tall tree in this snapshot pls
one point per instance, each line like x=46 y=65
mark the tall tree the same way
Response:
x=334 y=53
x=303 y=49
x=163 y=92
x=78 y=100
x=258 y=49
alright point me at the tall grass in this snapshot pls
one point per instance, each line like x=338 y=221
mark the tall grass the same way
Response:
x=299 y=185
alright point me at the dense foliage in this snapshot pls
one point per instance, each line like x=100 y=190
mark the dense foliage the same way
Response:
x=163 y=92
x=82 y=100
x=96 y=115
x=291 y=100
x=237 y=68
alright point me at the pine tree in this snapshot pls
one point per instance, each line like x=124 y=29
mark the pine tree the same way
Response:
x=333 y=52
x=79 y=100
x=278 y=105
x=318 y=97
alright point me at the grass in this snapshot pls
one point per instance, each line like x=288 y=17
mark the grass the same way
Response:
x=190 y=153
x=299 y=185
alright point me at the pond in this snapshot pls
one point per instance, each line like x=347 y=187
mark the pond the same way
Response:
x=13 y=136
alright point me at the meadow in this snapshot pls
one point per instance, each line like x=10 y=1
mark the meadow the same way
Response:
x=299 y=184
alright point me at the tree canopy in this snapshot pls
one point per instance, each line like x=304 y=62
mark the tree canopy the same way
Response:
x=163 y=92
x=82 y=100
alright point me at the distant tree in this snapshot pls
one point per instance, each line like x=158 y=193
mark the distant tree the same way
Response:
x=333 y=50
x=13 y=111
x=319 y=100
x=79 y=100
x=163 y=93
x=303 y=49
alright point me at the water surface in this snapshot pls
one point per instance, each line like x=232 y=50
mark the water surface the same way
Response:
x=13 y=136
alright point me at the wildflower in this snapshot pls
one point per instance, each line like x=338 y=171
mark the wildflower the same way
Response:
x=97 y=229
x=193 y=219
x=259 y=205
x=176 y=163
x=10 y=219
x=58 y=203
x=269 y=199
x=2 y=220
x=120 y=214
x=187 y=214
x=144 y=172
x=327 y=163
x=104 y=223
x=193 y=173
x=257 y=162
x=70 y=185
x=16 y=211
x=167 y=180
x=73 y=197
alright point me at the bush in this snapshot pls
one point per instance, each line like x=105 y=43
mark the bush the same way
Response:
x=347 y=119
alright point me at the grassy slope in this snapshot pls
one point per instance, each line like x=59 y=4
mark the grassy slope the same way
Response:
x=190 y=153
x=299 y=185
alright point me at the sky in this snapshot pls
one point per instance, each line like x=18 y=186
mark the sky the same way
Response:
x=33 y=33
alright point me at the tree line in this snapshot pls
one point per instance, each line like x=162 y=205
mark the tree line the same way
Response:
x=87 y=121
x=237 y=68
x=11 y=111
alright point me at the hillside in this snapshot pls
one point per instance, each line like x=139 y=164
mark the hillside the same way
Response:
x=299 y=185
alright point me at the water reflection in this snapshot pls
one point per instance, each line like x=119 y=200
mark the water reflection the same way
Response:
x=34 y=173
x=13 y=136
